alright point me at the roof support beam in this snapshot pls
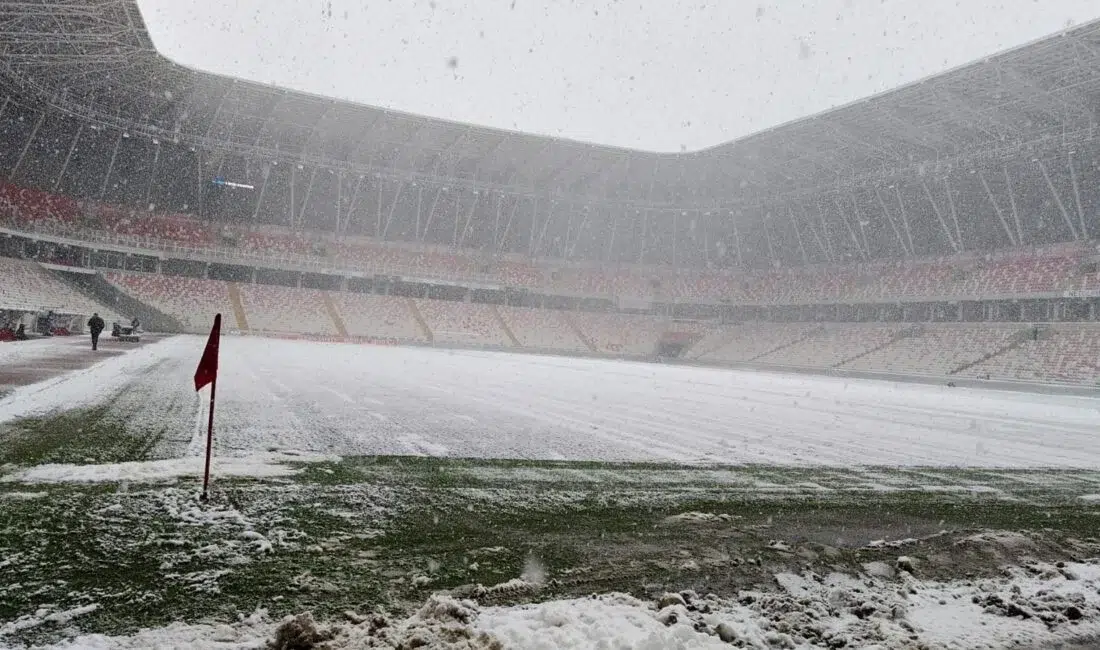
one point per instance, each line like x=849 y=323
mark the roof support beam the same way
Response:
x=954 y=212
x=469 y=218
x=68 y=157
x=1058 y=200
x=798 y=235
x=431 y=213
x=1012 y=203
x=393 y=206
x=863 y=223
x=1077 y=196
x=503 y=241
x=997 y=208
x=904 y=218
x=848 y=227
x=825 y=232
x=939 y=216
x=260 y=195
x=813 y=231
x=893 y=224
x=26 y=147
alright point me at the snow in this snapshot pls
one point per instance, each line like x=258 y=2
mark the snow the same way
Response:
x=609 y=622
x=1026 y=607
x=43 y=616
x=350 y=400
x=82 y=387
x=362 y=400
x=23 y=352
x=258 y=465
x=249 y=633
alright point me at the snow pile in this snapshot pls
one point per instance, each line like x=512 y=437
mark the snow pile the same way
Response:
x=697 y=518
x=1035 y=605
x=612 y=621
x=258 y=465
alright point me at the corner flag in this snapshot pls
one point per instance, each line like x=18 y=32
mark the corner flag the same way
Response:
x=207 y=373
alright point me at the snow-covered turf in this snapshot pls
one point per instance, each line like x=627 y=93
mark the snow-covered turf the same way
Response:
x=320 y=526
x=351 y=400
x=1037 y=606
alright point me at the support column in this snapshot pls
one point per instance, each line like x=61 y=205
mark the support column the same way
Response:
x=1015 y=212
x=393 y=206
x=68 y=157
x=737 y=241
x=419 y=204
x=26 y=147
x=997 y=209
x=458 y=213
x=893 y=224
x=954 y=212
x=1058 y=200
x=611 y=236
x=1077 y=197
x=264 y=174
x=798 y=236
x=293 y=205
x=848 y=227
x=305 y=200
x=111 y=167
x=939 y=217
x=469 y=218
x=431 y=214
x=905 y=219
x=502 y=244
x=534 y=222
x=825 y=232
x=768 y=238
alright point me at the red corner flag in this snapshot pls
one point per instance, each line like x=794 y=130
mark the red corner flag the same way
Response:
x=207 y=373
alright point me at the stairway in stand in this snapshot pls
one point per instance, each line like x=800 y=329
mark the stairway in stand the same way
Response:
x=238 y=306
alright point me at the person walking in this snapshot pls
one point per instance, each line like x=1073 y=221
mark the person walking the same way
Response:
x=95 y=326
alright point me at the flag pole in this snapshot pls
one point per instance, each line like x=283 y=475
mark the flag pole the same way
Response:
x=207 y=373
x=209 y=440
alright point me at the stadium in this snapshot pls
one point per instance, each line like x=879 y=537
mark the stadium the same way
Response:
x=864 y=343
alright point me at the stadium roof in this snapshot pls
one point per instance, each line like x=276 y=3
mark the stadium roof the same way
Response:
x=95 y=60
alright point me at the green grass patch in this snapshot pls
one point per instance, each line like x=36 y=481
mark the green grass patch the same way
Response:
x=93 y=435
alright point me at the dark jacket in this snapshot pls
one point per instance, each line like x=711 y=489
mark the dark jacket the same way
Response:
x=96 y=324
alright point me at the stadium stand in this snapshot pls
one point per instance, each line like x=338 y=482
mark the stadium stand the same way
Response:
x=26 y=205
x=543 y=329
x=103 y=292
x=1065 y=354
x=462 y=323
x=749 y=341
x=270 y=308
x=383 y=317
x=939 y=349
x=24 y=285
x=619 y=333
x=192 y=301
x=832 y=345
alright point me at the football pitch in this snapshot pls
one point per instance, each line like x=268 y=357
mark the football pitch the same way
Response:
x=352 y=480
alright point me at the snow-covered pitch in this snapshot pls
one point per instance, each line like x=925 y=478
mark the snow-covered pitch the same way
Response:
x=351 y=400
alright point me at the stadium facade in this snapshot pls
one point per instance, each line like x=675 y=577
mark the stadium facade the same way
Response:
x=998 y=154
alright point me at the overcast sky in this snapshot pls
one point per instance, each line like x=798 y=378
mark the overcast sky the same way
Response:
x=663 y=75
